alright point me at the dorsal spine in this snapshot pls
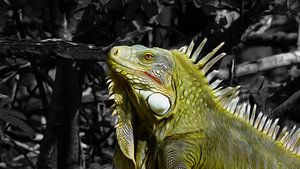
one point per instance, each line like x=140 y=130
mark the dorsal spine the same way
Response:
x=229 y=99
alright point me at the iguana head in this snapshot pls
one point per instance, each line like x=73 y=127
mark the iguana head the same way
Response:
x=147 y=75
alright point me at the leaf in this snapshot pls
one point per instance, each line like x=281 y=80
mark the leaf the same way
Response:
x=294 y=6
x=259 y=91
x=4 y=99
x=215 y=3
x=1 y=133
x=131 y=37
x=13 y=113
x=272 y=29
x=17 y=119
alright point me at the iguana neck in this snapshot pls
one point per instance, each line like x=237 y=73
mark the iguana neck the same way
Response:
x=194 y=104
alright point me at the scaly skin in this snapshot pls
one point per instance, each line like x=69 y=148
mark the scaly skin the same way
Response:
x=192 y=129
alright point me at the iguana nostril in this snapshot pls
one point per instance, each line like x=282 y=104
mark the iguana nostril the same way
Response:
x=115 y=51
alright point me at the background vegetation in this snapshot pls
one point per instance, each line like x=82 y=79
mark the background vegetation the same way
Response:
x=54 y=105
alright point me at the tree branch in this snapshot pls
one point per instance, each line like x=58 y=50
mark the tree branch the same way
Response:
x=288 y=106
x=267 y=63
x=51 y=48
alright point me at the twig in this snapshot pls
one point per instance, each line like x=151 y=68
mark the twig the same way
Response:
x=106 y=135
x=267 y=63
x=24 y=153
x=15 y=92
x=93 y=89
x=25 y=146
x=287 y=106
x=40 y=84
x=160 y=26
x=298 y=20
x=41 y=74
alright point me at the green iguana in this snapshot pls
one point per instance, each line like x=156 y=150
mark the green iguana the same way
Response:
x=173 y=114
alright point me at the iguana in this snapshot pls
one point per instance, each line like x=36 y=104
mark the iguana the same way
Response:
x=173 y=113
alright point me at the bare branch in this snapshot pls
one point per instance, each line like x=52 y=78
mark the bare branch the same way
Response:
x=267 y=63
x=288 y=106
x=51 y=48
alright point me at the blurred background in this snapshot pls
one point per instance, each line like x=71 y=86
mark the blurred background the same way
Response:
x=54 y=105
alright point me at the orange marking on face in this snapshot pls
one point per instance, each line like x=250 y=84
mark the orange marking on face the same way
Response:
x=153 y=77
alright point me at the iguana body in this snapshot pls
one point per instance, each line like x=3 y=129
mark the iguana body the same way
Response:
x=171 y=116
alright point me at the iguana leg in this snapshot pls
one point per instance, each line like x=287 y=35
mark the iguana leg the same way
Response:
x=180 y=153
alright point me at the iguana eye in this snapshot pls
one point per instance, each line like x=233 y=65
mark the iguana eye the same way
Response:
x=148 y=56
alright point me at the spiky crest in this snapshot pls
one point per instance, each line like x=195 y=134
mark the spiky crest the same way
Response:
x=229 y=99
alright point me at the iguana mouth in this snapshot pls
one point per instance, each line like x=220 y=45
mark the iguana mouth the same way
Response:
x=115 y=61
x=124 y=68
x=136 y=78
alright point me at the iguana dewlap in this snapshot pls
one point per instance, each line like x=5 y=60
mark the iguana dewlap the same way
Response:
x=171 y=114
